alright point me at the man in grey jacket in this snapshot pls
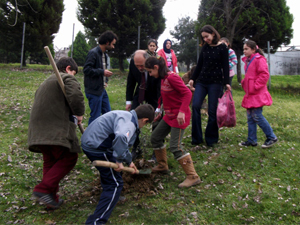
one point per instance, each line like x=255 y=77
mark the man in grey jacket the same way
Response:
x=108 y=138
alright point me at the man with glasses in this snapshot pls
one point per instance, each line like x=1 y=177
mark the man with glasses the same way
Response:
x=141 y=88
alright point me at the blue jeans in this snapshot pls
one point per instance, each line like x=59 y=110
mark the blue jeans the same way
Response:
x=254 y=116
x=214 y=92
x=112 y=184
x=99 y=105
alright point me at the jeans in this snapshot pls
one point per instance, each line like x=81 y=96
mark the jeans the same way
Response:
x=161 y=131
x=99 y=105
x=254 y=116
x=214 y=92
x=112 y=184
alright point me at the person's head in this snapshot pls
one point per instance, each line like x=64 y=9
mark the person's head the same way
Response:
x=109 y=39
x=250 y=47
x=225 y=41
x=67 y=65
x=152 y=45
x=167 y=45
x=156 y=66
x=145 y=114
x=139 y=58
x=209 y=35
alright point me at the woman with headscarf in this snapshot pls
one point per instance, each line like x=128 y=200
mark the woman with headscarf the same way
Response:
x=169 y=56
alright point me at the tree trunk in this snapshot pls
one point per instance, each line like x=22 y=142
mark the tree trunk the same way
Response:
x=121 y=67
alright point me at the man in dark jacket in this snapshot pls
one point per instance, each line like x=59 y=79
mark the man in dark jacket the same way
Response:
x=96 y=74
x=52 y=129
x=141 y=88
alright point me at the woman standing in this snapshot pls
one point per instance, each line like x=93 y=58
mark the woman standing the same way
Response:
x=169 y=56
x=211 y=74
x=176 y=97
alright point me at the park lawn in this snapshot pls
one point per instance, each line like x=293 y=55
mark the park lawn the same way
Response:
x=248 y=185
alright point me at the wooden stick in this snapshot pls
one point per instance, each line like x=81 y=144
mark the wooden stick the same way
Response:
x=60 y=81
x=113 y=165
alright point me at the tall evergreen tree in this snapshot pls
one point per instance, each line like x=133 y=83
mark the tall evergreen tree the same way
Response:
x=123 y=17
x=80 y=49
x=42 y=18
x=261 y=21
x=186 y=45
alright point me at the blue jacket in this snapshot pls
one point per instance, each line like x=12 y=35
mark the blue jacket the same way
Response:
x=114 y=132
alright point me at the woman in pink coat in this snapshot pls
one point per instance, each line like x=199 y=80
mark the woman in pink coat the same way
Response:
x=257 y=95
x=169 y=56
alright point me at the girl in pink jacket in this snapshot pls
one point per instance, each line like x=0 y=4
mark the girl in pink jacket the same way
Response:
x=257 y=95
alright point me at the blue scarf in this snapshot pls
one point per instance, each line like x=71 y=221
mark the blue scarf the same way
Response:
x=165 y=48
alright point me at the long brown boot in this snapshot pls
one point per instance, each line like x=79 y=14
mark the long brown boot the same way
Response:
x=192 y=177
x=161 y=157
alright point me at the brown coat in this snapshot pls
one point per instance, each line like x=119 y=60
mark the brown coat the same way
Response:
x=49 y=120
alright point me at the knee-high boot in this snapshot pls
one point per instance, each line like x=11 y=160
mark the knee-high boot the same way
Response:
x=161 y=157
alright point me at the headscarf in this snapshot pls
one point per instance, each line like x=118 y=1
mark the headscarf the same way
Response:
x=165 y=48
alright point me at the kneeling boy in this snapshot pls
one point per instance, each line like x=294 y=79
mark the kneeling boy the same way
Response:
x=108 y=138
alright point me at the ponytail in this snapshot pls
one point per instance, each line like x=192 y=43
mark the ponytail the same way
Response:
x=252 y=44
x=160 y=62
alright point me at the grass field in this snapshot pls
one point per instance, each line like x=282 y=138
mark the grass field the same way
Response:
x=247 y=185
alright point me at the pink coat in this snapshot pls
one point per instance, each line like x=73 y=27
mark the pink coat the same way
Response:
x=255 y=83
x=162 y=53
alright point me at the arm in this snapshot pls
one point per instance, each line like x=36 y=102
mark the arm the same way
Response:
x=232 y=59
x=198 y=69
x=224 y=63
x=263 y=73
x=74 y=95
x=131 y=84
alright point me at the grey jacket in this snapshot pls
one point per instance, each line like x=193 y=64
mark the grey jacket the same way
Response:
x=114 y=132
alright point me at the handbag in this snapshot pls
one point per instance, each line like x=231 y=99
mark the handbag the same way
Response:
x=226 y=116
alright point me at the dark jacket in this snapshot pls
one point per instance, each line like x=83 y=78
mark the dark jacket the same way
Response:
x=152 y=92
x=94 y=72
x=49 y=122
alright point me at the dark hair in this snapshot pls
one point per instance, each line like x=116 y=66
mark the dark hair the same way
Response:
x=211 y=30
x=107 y=36
x=226 y=40
x=145 y=111
x=188 y=75
x=64 y=62
x=154 y=41
x=252 y=44
x=162 y=68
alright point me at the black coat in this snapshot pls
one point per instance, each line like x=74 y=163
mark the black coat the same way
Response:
x=94 y=72
x=152 y=92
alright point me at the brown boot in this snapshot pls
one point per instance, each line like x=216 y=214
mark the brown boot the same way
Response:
x=192 y=177
x=161 y=157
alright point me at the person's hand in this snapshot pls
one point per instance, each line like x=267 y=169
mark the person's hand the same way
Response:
x=228 y=87
x=79 y=118
x=192 y=89
x=133 y=166
x=128 y=107
x=107 y=73
x=191 y=83
x=120 y=167
x=157 y=117
x=181 y=118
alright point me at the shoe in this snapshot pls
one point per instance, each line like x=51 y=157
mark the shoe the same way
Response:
x=153 y=157
x=59 y=203
x=47 y=199
x=269 y=142
x=247 y=143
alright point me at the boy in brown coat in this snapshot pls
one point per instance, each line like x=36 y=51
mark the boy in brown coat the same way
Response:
x=52 y=129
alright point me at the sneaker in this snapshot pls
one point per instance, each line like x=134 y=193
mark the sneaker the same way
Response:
x=269 y=142
x=247 y=143
x=47 y=199
x=59 y=203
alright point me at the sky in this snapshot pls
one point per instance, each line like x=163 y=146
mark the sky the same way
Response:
x=173 y=10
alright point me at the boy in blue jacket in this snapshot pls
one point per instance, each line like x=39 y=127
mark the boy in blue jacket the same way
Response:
x=108 y=138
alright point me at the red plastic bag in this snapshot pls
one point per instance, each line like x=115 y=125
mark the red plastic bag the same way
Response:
x=226 y=111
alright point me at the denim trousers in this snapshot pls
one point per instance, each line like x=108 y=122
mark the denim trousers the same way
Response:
x=161 y=131
x=112 y=184
x=99 y=105
x=254 y=118
x=214 y=92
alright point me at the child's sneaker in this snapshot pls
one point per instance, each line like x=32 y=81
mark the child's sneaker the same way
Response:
x=247 y=143
x=269 y=142
x=47 y=199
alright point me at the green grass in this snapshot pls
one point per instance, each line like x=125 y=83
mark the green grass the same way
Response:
x=240 y=185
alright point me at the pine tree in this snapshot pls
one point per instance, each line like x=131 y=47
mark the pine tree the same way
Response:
x=80 y=49
x=123 y=17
